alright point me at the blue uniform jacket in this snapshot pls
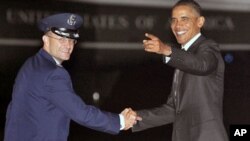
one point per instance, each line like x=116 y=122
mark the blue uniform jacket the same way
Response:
x=44 y=102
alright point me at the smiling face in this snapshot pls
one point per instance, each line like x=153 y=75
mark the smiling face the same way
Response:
x=185 y=23
x=57 y=46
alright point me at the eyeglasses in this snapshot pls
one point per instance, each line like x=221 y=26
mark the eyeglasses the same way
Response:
x=64 y=40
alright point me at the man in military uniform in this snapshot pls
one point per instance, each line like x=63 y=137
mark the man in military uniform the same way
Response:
x=43 y=99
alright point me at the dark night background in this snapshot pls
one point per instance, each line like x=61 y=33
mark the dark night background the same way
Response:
x=123 y=77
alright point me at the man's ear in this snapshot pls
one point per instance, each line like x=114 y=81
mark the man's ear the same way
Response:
x=201 y=21
x=45 y=40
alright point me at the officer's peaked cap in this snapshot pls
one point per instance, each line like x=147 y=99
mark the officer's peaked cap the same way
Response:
x=63 y=24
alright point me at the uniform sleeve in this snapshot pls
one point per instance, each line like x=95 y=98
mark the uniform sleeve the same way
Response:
x=59 y=90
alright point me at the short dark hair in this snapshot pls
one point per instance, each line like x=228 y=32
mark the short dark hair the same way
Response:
x=190 y=3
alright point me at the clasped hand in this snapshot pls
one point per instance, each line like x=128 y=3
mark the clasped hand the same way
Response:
x=130 y=118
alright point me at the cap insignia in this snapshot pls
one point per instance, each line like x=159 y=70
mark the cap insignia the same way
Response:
x=72 y=20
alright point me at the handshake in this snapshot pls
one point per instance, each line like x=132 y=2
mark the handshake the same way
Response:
x=130 y=118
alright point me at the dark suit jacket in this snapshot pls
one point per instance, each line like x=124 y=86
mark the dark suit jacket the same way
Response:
x=195 y=103
x=44 y=102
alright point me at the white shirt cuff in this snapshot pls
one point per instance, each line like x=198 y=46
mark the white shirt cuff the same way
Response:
x=122 y=122
x=166 y=60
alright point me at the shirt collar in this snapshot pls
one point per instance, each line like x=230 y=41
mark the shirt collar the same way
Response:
x=58 y=63
x=190 y=42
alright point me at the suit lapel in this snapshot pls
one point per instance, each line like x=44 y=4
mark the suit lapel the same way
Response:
x=196 y=44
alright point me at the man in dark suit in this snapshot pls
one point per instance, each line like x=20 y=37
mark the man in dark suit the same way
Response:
x=195 y=103
x=43 y=99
